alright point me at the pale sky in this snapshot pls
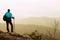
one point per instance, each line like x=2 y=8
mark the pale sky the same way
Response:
x=30 y=8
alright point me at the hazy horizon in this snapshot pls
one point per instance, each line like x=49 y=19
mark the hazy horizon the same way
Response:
x=30 y=8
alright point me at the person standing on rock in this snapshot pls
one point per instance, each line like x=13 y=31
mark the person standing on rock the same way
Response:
x=7 y=17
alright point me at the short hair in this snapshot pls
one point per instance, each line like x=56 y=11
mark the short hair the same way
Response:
x=8 y=9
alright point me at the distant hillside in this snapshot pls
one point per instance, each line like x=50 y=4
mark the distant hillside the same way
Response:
x=37 y=20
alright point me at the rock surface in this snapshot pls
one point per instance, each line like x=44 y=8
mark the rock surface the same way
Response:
x=16 y=36
x=12 y=36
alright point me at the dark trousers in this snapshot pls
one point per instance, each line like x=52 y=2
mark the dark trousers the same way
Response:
x=7 y=24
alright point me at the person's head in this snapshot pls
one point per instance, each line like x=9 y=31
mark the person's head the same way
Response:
x=8 y=10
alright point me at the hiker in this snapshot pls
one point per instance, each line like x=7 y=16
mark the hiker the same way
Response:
x=7 y=17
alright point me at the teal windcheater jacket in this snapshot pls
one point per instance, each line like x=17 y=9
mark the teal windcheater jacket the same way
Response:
x=8 y=15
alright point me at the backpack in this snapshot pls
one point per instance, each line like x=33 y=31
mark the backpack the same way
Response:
x=4 y=18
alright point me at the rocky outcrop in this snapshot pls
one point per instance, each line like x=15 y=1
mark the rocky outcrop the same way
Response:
x=16 y=36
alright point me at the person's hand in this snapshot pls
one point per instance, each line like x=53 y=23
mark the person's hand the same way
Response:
x=13 y=17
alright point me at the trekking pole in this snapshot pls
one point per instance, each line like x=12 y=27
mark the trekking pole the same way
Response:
x=14 y=25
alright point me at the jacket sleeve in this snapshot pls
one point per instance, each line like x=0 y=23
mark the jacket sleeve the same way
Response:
x=11 y=15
